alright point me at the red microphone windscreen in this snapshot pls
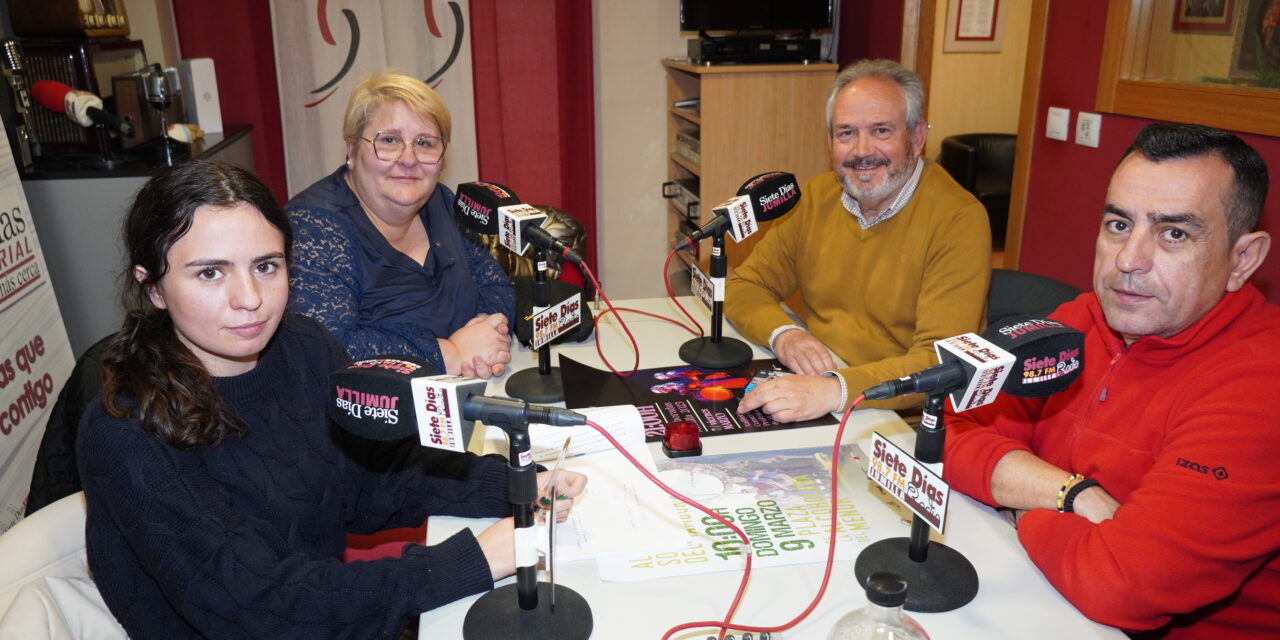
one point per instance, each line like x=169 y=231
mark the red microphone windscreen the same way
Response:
x=372 y=398
x=477 y=205
x=50 y=94
x=772 y=194
x=1050 y=354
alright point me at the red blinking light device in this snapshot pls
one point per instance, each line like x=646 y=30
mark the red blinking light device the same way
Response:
x=682 y=439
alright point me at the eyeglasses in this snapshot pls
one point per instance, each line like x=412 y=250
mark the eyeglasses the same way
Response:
x=388 y=147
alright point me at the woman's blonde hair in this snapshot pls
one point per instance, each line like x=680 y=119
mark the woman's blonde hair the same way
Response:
x=385 y=87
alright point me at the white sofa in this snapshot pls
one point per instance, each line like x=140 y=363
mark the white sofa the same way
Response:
x=45 y=588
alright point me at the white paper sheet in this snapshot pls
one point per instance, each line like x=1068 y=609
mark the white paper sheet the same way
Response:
x=620 y=511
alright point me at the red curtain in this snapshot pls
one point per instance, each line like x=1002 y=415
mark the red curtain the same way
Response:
x=535 y=106
x=237 y=35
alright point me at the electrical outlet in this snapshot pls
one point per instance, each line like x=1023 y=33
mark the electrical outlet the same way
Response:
x=1056 y=125
x=1088 y=126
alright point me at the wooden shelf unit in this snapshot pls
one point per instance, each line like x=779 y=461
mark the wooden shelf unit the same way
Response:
x=750 y=119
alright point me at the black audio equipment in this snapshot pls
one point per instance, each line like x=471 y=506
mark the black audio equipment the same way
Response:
x=747 y=49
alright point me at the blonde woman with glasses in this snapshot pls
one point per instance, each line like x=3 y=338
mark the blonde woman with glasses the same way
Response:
x=378 y=258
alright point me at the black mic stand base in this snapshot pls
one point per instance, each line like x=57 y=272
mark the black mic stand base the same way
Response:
x=497 y=614
x=531 y=385
x=945 y=580
x=704 y=352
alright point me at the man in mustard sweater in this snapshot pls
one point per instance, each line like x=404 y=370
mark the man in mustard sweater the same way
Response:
x=887 y=251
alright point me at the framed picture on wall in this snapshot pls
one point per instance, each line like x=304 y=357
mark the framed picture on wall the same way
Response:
x=1204 y=16
x=1256 y=54
x=974 y=26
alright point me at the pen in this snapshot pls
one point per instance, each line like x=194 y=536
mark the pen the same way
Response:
x=551 y=522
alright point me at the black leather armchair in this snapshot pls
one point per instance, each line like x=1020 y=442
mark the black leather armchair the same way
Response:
x=983 y=164
x=1016 y=293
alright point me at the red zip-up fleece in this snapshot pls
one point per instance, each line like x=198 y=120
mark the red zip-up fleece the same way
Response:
x=1185 y=433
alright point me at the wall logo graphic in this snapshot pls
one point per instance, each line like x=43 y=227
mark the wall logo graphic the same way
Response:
x=353 y=46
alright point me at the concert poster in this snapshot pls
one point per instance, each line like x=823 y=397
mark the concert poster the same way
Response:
x=706 y=397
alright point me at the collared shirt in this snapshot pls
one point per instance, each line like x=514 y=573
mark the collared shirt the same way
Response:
x=852 y=206
x=903 y=197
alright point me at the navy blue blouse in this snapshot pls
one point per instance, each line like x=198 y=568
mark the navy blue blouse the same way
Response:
x=374 y=298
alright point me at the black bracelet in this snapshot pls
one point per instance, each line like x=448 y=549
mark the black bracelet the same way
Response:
x=1075 y=491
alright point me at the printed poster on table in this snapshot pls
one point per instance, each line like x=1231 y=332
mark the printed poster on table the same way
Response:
x=35 y=355
x=707 y=397
x=780 y=499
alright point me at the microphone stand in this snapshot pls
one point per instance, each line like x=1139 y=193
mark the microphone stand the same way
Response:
x=939 y=578
x=716 y=352
x=496 y=614
x=107 y=160
x=543 y=384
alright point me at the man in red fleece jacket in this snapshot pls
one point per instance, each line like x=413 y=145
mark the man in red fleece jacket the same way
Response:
x=1148 y=492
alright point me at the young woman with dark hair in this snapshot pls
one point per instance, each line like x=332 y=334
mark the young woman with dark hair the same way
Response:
x=218 y=492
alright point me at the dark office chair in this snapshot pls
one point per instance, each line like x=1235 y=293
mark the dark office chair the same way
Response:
x=1015 y=293
x=983 y=164
x=56 y=475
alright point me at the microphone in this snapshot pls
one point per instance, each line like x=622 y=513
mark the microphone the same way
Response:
x=13 y=68
x=82 y=107
x=973 y=368
x=392 y=397
x=760 y=199
x=488 y=207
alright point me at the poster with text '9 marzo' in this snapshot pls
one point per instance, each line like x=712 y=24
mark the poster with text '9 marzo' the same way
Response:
x=35 y=355
x=780 y=499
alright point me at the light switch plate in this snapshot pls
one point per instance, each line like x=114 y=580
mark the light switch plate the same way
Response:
x=1088 y=126
x=1056 y=125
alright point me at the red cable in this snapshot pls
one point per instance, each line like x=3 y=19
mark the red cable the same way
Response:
x=666 y=281
x=615 y=311
x=831 y=552
x=726 y=624
x=662 y=317
x=634 y=347
x=746 y=542
x=672 y=296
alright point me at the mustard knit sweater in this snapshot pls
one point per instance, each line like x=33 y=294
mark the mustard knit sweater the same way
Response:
x=877 y=297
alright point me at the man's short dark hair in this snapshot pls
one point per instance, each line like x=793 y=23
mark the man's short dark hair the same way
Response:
x=1165 y=141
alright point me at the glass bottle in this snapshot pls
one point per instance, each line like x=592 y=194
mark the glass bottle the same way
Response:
x=882 y=618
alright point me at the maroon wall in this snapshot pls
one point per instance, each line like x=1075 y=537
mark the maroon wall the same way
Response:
x=534 y=99
x=1069 y=181
x=237 y=35
x=869 y=29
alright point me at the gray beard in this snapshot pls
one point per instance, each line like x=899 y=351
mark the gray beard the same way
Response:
x=894 y=178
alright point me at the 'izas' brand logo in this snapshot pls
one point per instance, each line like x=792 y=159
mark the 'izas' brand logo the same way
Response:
x=1219 y=473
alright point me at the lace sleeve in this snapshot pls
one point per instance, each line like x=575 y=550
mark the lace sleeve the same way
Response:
x=497 y=294
x=326 y=284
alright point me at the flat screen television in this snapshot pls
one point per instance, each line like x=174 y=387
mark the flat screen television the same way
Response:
x=753 y=15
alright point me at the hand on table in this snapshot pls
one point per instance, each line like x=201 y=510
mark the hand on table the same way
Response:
x=794 y=398
x=498 y=543
x=801 y=352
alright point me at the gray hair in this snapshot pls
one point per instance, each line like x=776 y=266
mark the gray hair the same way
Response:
x=907 y=81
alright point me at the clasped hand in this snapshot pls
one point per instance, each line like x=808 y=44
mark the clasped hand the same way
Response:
x=480 y=349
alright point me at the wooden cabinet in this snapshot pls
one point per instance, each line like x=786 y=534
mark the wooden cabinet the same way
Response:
x=748 y=119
